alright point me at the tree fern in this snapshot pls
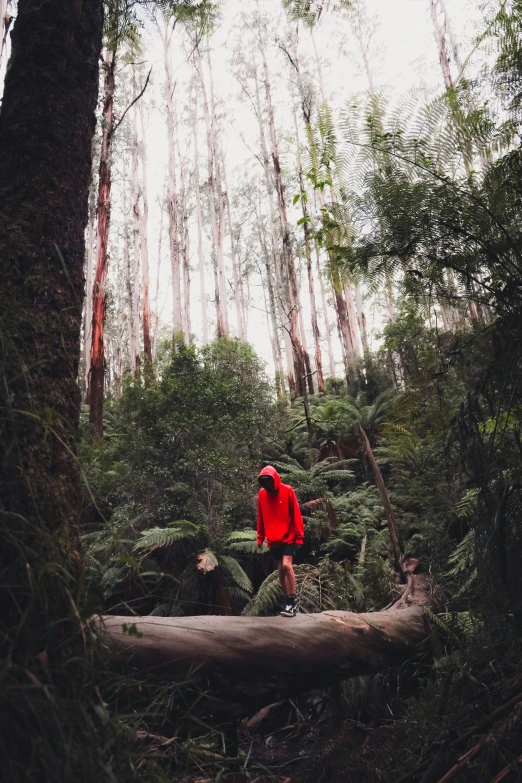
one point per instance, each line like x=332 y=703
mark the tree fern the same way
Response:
x=158 y=537
x=244 y=541
x=236 y=573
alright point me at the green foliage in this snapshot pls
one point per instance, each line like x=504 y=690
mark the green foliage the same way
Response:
x=186 y=446
x=310 y=11
x=244 y=541
x=158 y=537
x=427 y=196
x=328 y=585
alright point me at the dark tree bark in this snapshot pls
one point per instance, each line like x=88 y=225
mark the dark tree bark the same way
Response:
x=47 y=123
x=244 y=663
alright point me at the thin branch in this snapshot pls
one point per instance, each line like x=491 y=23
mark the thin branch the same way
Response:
x=133 y=102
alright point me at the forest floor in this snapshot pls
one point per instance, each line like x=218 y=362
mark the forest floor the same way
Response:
x=479 y=740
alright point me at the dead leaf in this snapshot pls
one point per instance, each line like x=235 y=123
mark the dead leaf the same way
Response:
x=207 y=561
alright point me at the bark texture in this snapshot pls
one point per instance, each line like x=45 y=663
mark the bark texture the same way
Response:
x=47 y=123
x=245 y=663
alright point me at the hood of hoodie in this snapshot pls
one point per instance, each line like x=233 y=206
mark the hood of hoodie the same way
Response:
x=271 y=471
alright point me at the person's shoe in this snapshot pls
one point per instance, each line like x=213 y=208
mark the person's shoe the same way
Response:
x=289 y=609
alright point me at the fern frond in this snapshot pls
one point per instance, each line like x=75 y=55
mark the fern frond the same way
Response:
x=158 y=537
x=235 y=571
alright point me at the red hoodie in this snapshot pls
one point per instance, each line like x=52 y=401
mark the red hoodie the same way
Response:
x=279 y=519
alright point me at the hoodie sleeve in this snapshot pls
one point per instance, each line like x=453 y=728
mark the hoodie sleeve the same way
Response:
x=260 y=524
x=298 y=519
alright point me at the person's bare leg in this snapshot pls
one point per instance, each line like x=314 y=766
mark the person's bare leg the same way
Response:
x=282 y=576
x=287 y=574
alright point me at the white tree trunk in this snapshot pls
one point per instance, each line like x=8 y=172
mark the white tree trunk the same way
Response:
x=199 y=223
x=220 y=259
x=185 y=248
x=440 y=38
x=136 y=246
x=326 y=317
x=118 y=371
x=352 y=319
x=144 y=227
x=172 y=192
x=233 y=255
x=274 y=238
x=158 y=272
x=291 y=292
x=276 y=345
x=310 y=274
x=361 y=319
x=213 y=194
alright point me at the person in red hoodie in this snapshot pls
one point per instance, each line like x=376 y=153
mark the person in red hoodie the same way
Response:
x=279 y=521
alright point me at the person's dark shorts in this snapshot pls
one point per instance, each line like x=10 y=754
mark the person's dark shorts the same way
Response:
x=280 y=550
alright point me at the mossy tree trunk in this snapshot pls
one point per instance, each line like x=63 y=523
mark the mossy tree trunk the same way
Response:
x=47 y=123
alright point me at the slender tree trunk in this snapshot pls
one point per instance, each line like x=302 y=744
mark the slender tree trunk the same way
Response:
x=346 y=320
x=127 y=264
x=172 y=193
x=147 y=344
x=47 y=123
x=278 y=360
x=393 y=526
x=441 y=46
x=274 y=240
x=158 y=271
x=272 y=333
x=220 y=260
x=99 y=297
x=309 y=381
x=185 y=249
x=292 y=294
x=342 y=339
x=87 y=327
x=136 y=242
x=324 y=305
x=361 y=320
x=346 y=334
x=352 y=319
x=220 y=304
x=390 y=301
x=306 y=229
x=119 y=346
x=245 y=301
x=308 y=254
x=235 y=277
x=199 y=223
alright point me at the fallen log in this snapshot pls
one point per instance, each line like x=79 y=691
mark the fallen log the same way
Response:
x=245 y=663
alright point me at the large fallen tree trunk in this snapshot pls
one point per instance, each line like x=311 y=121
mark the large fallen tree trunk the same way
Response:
x=244 y=663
